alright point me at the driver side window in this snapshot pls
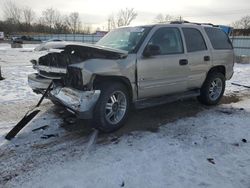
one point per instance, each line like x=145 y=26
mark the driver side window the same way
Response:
x=168 y=40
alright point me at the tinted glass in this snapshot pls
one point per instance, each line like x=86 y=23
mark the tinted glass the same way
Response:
x=218 y=38
x=194 y=40
x=169 y=41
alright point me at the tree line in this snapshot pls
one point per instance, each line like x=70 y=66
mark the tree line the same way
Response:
x=24 y=20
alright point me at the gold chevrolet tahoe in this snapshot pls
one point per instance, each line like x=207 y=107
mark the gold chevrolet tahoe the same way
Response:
x=140 y=66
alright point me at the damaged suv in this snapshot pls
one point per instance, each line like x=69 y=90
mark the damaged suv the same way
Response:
x=141 y=66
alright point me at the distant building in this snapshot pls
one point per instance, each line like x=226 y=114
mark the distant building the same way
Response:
x=101 y=33
x=1 y=35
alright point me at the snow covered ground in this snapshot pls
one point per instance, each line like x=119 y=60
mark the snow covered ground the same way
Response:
x=185 y=144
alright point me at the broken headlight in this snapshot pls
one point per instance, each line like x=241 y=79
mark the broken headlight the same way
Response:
x=74 y=78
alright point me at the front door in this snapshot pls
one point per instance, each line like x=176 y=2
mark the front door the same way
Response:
x=164 y=72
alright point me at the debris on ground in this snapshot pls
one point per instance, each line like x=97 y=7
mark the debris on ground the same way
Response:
x=244 y=140
x=236 y=144
x=241 y=85
x=211 y=160
x=46 y=136
x=114 y=140
x=1 y=78
x=225 y=112
x=123 y=184
x=40 y=128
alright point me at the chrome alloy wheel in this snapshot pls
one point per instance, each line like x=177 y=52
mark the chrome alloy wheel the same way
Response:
x=215 y=89
x=116 y=107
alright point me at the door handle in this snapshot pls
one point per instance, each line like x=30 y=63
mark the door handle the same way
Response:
x=206 y=58
x=183 y=62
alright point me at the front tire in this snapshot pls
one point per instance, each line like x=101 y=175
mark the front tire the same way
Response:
x=212 y=89
x=111 y=110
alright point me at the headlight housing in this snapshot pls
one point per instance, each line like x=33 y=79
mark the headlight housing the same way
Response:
x=74 y=78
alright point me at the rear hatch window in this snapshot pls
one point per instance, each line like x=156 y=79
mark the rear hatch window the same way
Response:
x=218 y=38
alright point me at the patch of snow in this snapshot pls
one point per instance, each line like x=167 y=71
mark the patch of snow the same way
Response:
x=176 y=156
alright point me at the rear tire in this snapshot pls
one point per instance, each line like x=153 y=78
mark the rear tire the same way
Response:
x=213 y=89
x=112 y=107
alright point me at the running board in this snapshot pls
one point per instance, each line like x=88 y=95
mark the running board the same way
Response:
x=150 y=102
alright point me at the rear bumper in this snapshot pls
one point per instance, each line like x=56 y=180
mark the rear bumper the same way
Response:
x=37 y=82
x=80 y=103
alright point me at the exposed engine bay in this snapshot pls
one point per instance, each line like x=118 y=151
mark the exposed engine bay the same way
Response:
x=53 y=65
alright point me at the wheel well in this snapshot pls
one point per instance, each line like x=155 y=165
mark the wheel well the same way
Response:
x=125 y=81
x=220 y=69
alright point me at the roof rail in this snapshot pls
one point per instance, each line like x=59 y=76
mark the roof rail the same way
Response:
x=179 y=22
x=184 y=22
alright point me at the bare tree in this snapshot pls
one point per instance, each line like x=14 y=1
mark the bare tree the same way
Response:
x=243 y=23
x=28 y=15
x=74 y=22
x=12 y=12
x=123 y=18
x=50 y=17
x=111 y=22
x=161 y=18
x=87 y=29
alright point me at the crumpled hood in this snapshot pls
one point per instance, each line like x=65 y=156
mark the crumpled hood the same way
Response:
x=51 y=45
x=77 y=45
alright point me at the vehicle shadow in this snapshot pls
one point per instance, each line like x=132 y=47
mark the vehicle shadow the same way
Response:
x=149 y=119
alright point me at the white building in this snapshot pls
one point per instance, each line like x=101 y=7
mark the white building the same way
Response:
x=1 y=35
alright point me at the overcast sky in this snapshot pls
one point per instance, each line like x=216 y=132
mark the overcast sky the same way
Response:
x=96 y=12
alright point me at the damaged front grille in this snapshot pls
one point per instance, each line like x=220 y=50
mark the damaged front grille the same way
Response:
x=58 y=60
x=74 y=78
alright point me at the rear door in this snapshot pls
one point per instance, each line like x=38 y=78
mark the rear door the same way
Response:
x=222 y=49
x=198 y=54
x=166 y=72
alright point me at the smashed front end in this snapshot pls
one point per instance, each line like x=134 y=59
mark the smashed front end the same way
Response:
x=72 y=86
x=74 y=95
x=53 y=65
x=80 y=103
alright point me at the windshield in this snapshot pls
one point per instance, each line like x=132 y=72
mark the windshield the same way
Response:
x=127 y=39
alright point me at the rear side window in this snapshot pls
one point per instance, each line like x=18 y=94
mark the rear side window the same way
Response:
x=194 y=40
x=218 y=38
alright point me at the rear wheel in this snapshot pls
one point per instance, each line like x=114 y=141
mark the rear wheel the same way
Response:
x=212 y=89
x=111 y=110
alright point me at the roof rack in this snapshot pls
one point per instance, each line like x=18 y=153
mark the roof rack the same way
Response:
x=187 y=22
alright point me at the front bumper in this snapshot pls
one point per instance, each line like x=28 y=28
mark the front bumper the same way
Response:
x=80 y=103
x=38 y=83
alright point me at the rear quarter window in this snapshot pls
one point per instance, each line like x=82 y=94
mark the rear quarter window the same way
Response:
x=194 y=40
x=218 y=38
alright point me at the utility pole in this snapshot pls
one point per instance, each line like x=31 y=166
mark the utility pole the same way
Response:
x=109 y=24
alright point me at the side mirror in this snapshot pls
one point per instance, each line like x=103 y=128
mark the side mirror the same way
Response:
x=151 y=50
